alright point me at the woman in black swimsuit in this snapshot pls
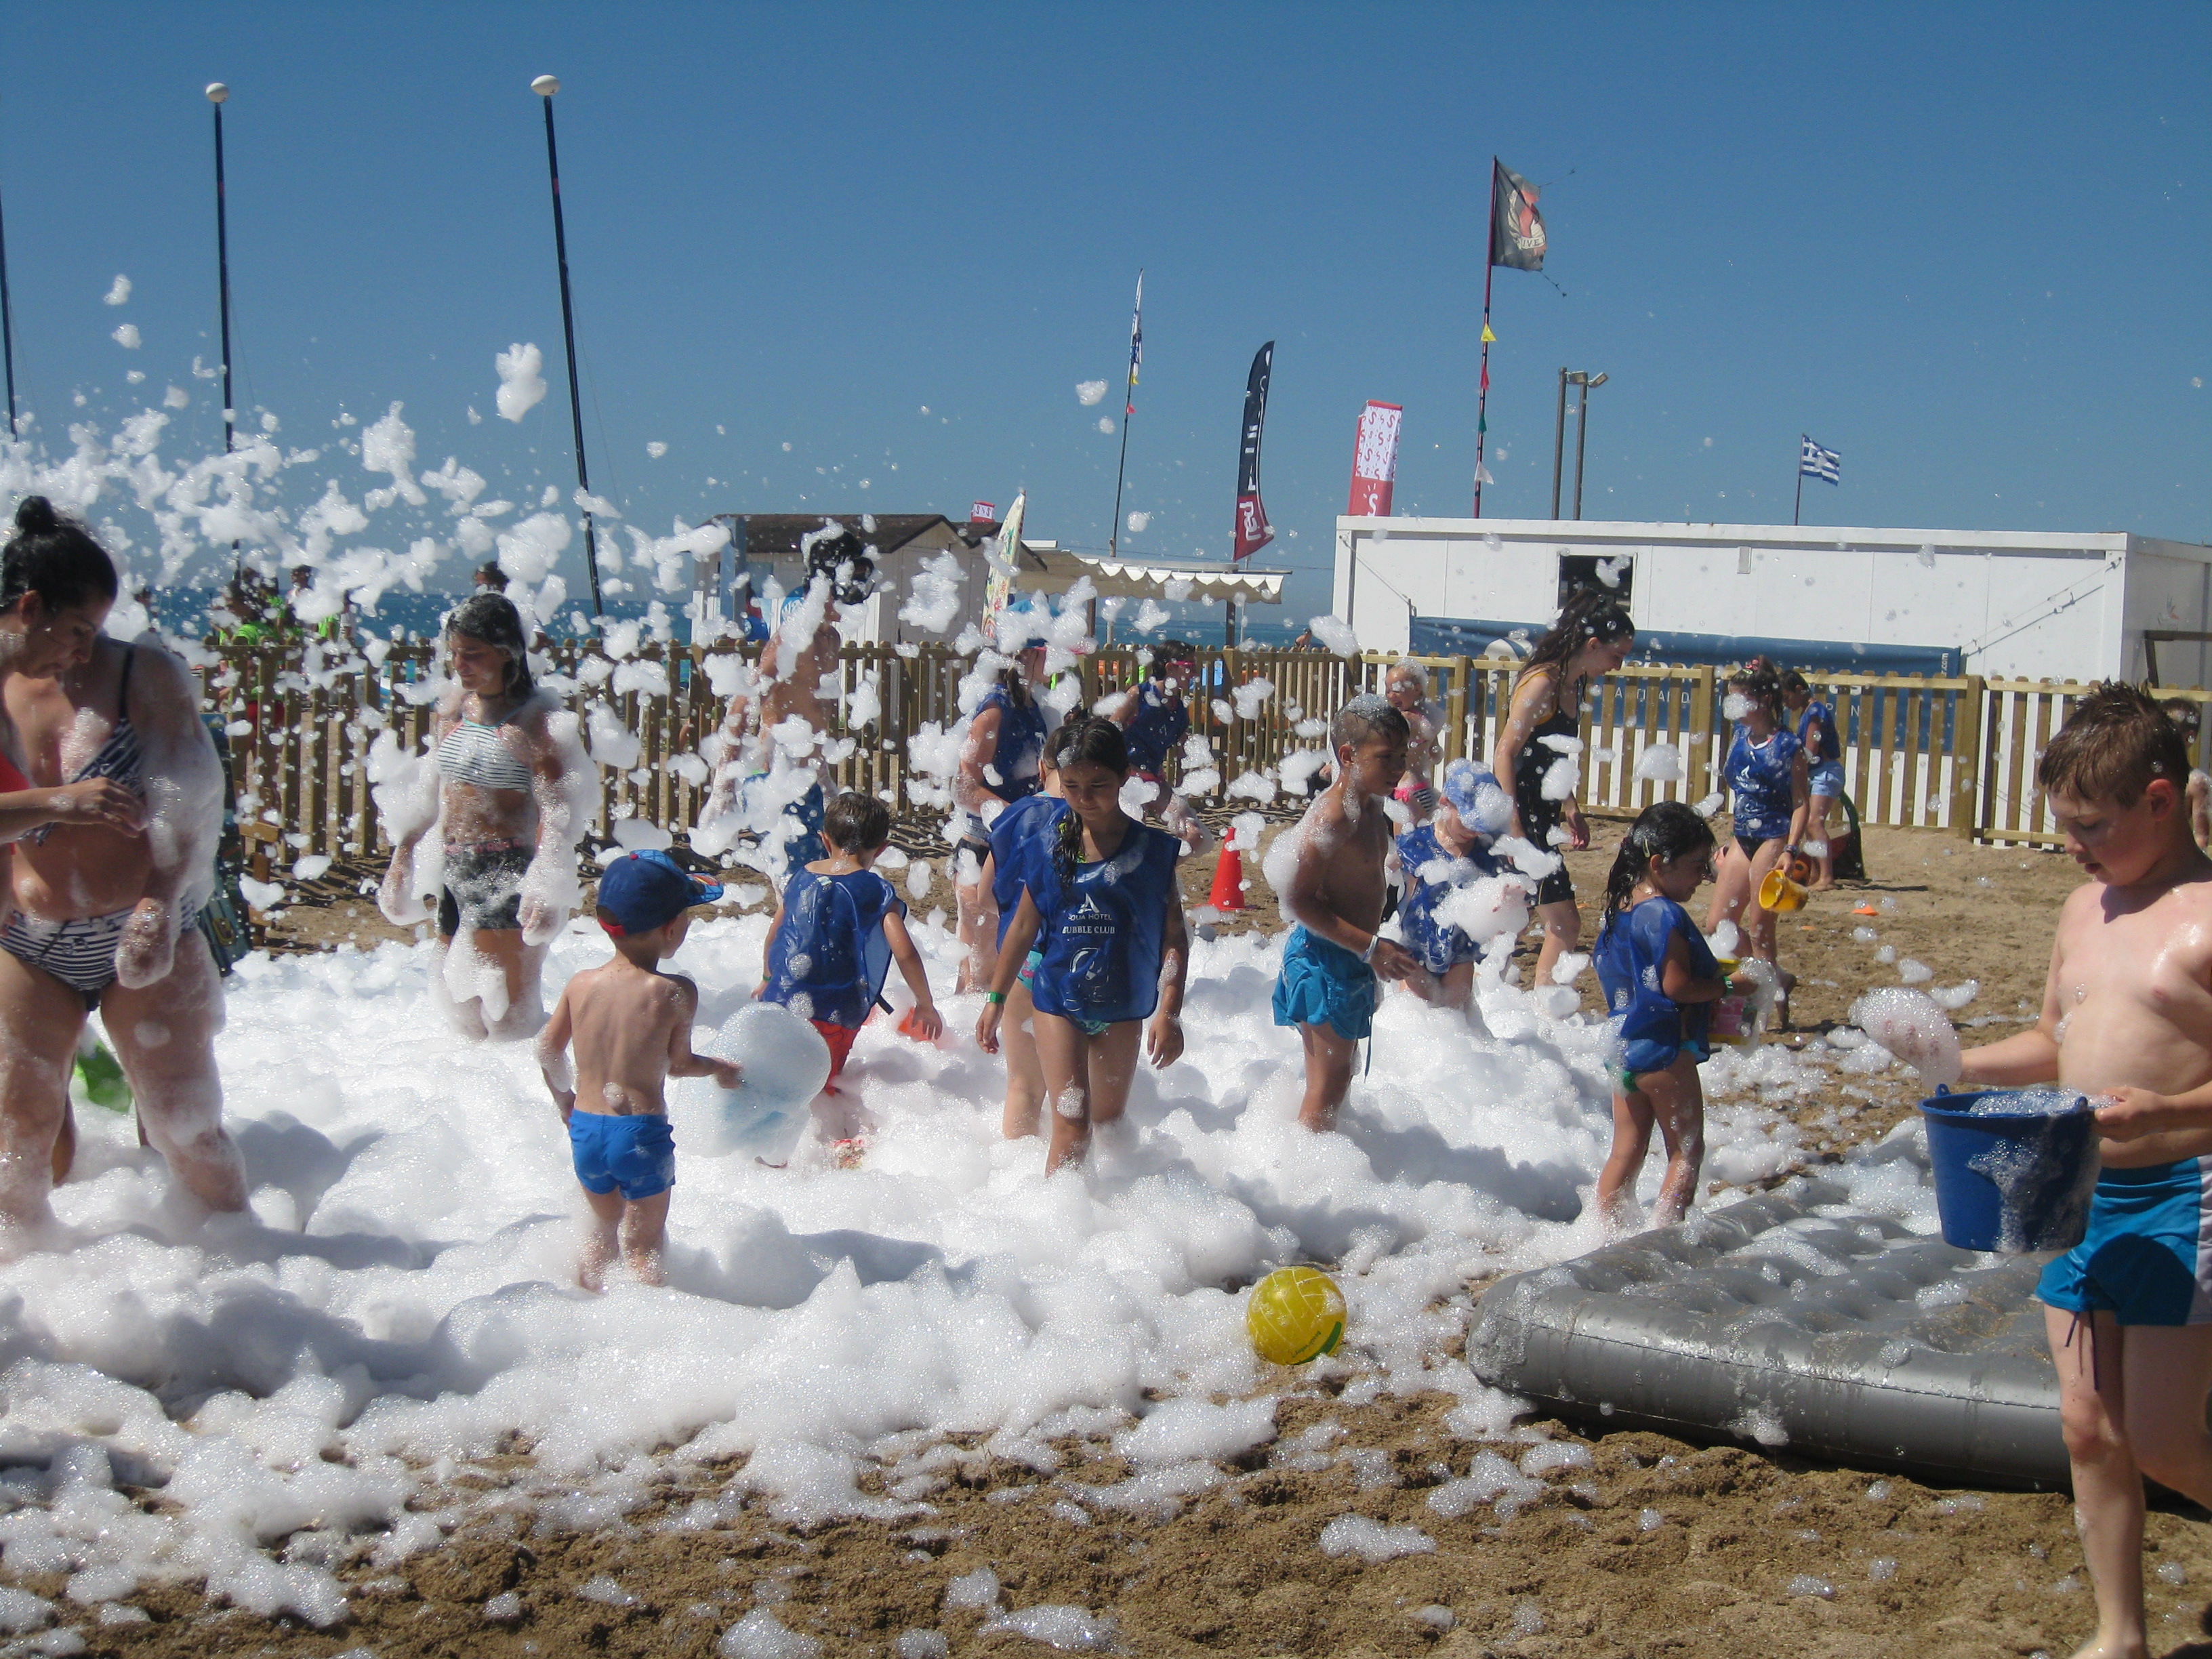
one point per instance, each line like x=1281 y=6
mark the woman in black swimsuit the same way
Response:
x=1592 y=636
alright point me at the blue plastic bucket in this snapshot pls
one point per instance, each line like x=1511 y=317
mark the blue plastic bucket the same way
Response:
x=2015 y=1183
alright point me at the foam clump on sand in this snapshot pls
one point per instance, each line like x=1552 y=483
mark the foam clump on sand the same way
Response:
x=1372 y=1541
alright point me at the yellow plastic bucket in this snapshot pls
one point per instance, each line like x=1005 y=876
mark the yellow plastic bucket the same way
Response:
x=1781 y=895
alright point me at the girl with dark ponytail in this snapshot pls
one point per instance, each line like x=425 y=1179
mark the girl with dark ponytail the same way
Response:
x=1099 y=904
x=1768 y=782
x=1661 y=980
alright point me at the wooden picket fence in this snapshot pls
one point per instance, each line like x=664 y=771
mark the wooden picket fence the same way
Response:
x=1954 y=753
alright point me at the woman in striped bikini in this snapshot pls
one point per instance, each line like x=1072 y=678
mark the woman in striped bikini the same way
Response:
x=113 y=855
x=508 y=791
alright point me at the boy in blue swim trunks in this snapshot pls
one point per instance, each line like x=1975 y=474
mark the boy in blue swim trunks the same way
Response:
x=2127 y=1016
x=1335 y=893
x=631 y=1027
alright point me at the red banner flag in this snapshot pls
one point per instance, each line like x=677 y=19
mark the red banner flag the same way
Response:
x=1374 y=461
x=1252 y=531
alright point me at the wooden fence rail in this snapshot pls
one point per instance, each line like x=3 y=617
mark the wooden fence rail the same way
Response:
x=1951 y=753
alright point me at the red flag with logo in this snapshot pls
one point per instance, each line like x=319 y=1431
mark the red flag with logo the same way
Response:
x=1374 y=461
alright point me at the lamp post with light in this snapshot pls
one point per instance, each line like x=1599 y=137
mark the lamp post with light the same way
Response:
x=1588 y=382
x=545 y=85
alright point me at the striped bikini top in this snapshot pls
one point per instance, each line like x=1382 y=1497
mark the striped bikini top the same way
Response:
x=120 y=758
x=474 y=753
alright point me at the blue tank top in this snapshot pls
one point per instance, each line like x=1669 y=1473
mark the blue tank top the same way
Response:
x=831 y=950
x=1159 y=725
x=1759 y=781
x=1104 y=931
x=1819 y=718
x=1440 y=945
x=1021 y=743
x=1019 y=835
x=1632 y=962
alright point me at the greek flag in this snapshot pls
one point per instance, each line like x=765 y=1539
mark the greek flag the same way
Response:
x=1814 y=462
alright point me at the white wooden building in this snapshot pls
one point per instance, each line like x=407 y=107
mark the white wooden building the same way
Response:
x=2028 y=604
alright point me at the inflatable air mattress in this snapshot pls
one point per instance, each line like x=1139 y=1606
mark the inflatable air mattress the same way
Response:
x=1788 y=1319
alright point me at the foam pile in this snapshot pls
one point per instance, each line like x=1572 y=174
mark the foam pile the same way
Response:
x=397 y=1305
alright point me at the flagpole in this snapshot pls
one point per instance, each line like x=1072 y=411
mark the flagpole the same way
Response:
x=1482 y=397
x=545 y=85
x=1797 y=513
x=1128 y=407
x=219 y=94
x=7 y=333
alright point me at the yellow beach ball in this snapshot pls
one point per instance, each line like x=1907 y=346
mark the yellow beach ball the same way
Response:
x=1296 y=1314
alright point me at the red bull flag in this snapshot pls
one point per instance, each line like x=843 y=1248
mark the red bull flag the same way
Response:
x=1253 y=530
x=1516 y=228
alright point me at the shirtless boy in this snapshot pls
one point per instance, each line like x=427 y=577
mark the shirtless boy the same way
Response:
x=1335 y=894
x=2127 y=1016
x=631 y=1026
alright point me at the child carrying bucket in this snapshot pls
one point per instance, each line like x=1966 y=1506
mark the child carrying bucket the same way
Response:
x=1661 y=981
x=2127 y=1016
x=1768 y=783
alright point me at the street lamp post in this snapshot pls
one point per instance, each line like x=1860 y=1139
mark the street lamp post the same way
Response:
x=1559 y=441
x=545 y=85
x=1588 y=383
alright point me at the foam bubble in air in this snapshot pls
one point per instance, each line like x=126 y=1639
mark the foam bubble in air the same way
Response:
x=1909 y=1024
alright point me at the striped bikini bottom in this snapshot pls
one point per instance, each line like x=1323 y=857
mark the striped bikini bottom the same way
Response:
x=79 y=952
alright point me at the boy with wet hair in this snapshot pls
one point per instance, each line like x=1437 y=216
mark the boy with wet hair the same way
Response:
x=2127 y=1019
x=630 y=1025
x=837 y=930
x=1334 y=888
x=2187 y=716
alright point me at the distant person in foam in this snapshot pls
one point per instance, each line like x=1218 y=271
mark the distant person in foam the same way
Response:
x=1100 y=906
x=1333 y=888
x=629 y=1025
x=1155 y=718
x=2127 y=1016
x=111 y=796
x=1405 y=687
x=1000 y=764
x=1768 y=782
x=1435 y=859
x=1539 y=754
x=838 y=929
x=508 y=793
x=770 y=771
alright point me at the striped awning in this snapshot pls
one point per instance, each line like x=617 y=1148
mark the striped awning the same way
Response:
x=1049 y=569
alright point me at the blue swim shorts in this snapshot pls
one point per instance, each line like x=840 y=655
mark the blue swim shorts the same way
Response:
x=636 y=1153
x=1826 y=778
x=2147 y=1258
x=1324 y=983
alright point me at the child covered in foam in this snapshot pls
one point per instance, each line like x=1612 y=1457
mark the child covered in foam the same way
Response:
x=1434 y=860
x=630 y=1025
x=2127 y=1015
x=1331 y=880
x=838 y=929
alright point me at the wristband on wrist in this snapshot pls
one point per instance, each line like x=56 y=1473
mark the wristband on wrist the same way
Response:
x=994 y=997
x=1373 y=940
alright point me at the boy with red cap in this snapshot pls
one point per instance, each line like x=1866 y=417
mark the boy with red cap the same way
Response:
x=631 y=1027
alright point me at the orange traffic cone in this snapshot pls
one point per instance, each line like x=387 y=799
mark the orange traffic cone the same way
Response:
x=1228 y=892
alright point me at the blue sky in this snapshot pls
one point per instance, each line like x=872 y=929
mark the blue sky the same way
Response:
x=1967 y=246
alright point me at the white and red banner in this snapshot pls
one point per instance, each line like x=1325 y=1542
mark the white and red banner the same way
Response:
x=1374 y=461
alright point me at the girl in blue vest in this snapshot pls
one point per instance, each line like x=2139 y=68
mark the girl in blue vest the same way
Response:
x=1020 y=835
x=1661 y=983
x=999 y=765
x=1768 y=786
x=1103 y=914
x=1824 y=764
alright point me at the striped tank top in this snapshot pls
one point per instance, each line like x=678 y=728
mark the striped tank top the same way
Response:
x=474 y=753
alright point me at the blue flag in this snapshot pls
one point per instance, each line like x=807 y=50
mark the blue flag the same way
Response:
x=1814 y=462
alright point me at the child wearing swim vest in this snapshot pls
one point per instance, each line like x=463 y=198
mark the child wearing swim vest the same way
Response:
x=630 y=1025
x=1025 y=831
x=1661 y=981
x=1103 y=911
x=838 y=928
x=1436 y=858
